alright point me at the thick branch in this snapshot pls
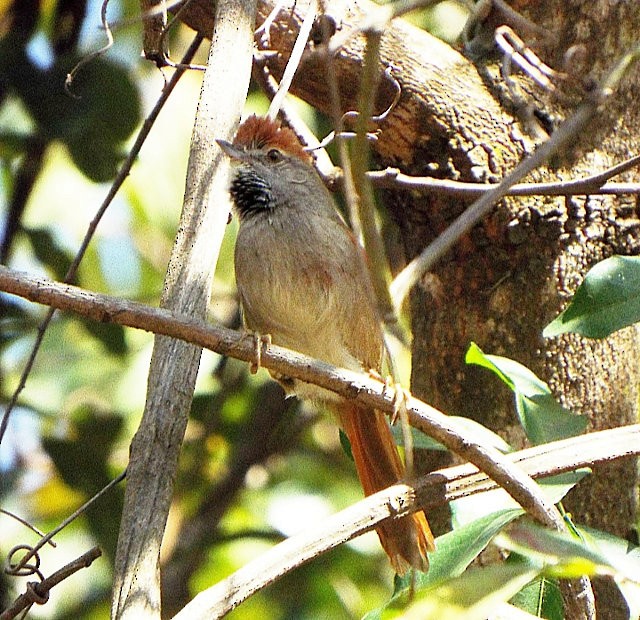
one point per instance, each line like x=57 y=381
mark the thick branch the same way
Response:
x=441 y=89
x=174 y=365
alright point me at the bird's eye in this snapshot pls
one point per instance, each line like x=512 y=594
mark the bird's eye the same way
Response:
x=274 y=155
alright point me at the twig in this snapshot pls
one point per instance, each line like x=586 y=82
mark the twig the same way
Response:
x=165 y=59
x=38 y=592
x=337 y=121
x=294 y=60
x=90 y=57
x=430 y=491
x=262 y=435
x=46 y=538
x=392 y=178
x=265 y=28
x=322 y=162
x=358 y=386
x=375 y=20
x=378 y=262
x=113 y=190
x=412 y=273
x=25 y=523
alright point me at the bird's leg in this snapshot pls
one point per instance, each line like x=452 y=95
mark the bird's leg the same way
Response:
x=400 y=397
x=400 y=411
x=259 y=341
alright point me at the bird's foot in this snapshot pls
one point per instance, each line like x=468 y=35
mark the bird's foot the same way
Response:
x=259 y=341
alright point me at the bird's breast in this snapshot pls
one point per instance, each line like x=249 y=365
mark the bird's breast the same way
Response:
x=305 y=287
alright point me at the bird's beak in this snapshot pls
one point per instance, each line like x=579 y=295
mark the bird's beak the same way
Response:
x=232 y=151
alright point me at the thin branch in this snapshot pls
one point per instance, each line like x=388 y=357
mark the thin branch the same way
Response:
x=392 y=178
x=294 y=60
x=430 y=491
x=113 y=190
x=372 y=238
x=24 y=522
x=47 y=538
x=164 y=59
x=38 y=592
x=321 y=160
x=90 y=57
x=412 y=273
x=357 y=386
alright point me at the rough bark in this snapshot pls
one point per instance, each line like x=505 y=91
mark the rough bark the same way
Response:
x=516 y=270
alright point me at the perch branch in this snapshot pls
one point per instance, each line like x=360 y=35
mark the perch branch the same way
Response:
x=352 y=385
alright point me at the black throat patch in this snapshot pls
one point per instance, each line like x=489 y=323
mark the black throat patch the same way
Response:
x=251 y=193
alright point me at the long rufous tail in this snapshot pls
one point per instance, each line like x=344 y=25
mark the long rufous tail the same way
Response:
x=406 y=540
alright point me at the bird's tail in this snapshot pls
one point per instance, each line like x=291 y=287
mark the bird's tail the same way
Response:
x=406 y=540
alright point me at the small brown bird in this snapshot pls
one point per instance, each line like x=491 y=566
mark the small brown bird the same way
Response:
x=302 y=279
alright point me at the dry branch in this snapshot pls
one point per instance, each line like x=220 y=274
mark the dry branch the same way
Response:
x=352 y=385
x=431 y=491
x=38 y=592
x=187 y=289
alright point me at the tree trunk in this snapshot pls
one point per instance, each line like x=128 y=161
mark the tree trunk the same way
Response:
x=516 y=270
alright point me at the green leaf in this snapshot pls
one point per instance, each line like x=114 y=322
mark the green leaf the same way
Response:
x=454 y=552
x=541 y=598
x=541 y=416
x=98 y=160
x=82 y=460
x=15 y=321
x=626 y=558
x=48 y=251
x=110 y=335
x=607 y=300
x=12 y=144
x=568 y=555
x=345 y=444
x=472 y=596
x=468 y=509
x=545 y=420
x=93 y=122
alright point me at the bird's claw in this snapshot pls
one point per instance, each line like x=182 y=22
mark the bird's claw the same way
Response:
x=259 y=341
x=400 y=395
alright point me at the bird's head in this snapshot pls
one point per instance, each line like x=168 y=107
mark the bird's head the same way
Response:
x=271 y=167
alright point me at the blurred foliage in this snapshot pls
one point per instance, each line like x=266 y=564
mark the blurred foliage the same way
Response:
x=254 y=468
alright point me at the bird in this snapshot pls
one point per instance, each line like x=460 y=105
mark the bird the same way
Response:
x=302 y=279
